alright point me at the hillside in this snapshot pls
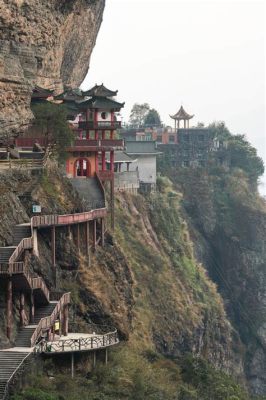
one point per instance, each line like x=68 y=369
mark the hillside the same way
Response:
x=148 y=283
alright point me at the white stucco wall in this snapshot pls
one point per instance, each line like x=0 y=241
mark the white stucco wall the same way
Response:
x=146 y=165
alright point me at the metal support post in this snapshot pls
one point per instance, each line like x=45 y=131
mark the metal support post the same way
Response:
x=72 y=365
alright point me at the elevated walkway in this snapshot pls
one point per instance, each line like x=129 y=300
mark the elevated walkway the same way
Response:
x=78 y=342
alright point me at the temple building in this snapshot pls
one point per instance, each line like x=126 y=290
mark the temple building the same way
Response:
x=145 y=153
x=186 y=146
x=95 y=134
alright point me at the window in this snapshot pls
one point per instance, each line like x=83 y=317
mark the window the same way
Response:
x=104 y=115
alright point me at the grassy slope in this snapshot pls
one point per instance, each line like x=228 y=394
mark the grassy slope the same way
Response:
x=149 y=284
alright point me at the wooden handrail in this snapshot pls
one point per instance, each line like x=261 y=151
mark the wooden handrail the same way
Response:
x=66 y=219
x=47 y=322
x=85 y=343
x=25 y=244
x=10 y=380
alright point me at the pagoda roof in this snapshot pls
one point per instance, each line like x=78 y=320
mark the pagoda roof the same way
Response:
x=70 y=95
x=41 y=93
x=101 y=103
x=182 y=115
x=100 y=91
x=120 y=157
x=139 y=147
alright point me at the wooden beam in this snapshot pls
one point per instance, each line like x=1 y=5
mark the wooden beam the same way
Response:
x=94 y=233
x=32 y=306
x=102 y=232
x=9 y=306
x=87 y=238
x=53 y=246
x=22 y=309
x=112 y=203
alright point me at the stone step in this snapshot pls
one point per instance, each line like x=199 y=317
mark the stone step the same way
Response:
x=9 y=362
x=89 y=192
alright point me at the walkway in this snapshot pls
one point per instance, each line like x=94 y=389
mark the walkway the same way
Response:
x=78 y=342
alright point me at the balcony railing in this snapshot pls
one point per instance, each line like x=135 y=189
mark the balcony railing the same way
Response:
x=99 y=143
x=107 y=125
x=29 y=142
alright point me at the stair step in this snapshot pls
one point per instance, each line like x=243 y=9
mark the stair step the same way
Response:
x=5 y=253
x=9 y=362
x=89 y=191
x=20 y=232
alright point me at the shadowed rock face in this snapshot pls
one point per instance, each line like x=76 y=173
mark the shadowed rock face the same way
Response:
x=48 y=43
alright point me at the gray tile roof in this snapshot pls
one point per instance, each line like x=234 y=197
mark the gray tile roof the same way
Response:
x=141 y=147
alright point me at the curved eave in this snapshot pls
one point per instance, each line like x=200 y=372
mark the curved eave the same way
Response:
x=181 y=118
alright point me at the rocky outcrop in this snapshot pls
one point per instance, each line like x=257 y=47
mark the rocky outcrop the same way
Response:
x=48 y=43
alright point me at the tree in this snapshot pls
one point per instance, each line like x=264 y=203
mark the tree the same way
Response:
x=138 y=114
x=241 y=153
x=152 y=118
x=51 y=119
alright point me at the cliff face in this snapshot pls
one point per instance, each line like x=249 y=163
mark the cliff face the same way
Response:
x=228 y=226
x=47 y=43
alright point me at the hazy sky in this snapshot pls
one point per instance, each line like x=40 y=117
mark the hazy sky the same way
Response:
x=207 y=55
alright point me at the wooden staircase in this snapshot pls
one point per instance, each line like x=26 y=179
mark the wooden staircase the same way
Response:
x=25 y=334
x=12 y=360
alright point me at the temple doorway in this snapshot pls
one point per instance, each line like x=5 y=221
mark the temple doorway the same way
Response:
x=82 y=167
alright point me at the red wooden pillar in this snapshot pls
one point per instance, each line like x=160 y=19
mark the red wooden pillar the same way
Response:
x=96 y=162
x=94 y=233
x=103 y=161
x=9 y=305
x=112 y=122
x=112 y=159
x=53 y=246
x=103 y=135
x=87 y=128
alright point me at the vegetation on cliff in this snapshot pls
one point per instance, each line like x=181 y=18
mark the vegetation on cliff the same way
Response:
x=146 y=282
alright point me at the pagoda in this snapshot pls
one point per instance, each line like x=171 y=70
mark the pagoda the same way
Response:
x=181 y=115
x=95 y=143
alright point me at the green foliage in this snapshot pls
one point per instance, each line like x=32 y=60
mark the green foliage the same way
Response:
x=152 y=118
x=244 y=156
x=239 y=151
x=209 y=382
x=34 y=394
x=51 y=119
x=138 y=114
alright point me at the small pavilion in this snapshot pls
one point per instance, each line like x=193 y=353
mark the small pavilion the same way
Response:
x=181 y=115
